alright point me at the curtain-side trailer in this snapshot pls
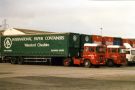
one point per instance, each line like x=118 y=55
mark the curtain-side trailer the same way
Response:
x=48 y=48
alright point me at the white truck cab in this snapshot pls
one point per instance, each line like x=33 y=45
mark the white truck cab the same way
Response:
x=130 y=53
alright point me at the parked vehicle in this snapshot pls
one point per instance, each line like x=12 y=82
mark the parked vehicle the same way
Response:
x=51 y=48
x=125 y=40
x=107 y=40
x=40 y=48
x=115 y=55
x=133 y=43
x=93 y=54
x=97 y=39
x=130 y=54
x=84 y=38
x=117 y=41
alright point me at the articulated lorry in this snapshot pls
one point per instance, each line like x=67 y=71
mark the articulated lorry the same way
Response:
x=51 y=48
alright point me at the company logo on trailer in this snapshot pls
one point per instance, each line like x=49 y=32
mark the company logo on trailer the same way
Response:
x=86 y=38
x=74 y=37
x=7 y=43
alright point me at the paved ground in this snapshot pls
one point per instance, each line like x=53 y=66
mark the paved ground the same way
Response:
x=43 y=77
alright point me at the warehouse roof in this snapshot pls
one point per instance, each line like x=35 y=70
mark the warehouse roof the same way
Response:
x=29 y=31
x=18 y=31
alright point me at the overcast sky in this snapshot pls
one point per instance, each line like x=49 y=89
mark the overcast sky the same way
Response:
x=81 y=16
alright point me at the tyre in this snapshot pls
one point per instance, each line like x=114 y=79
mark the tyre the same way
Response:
x=67 y=62
x=20 y=60
x=13 y=61
x=97 y=66
x=110 y=63
x=118 y=65
x=87 y=64
x=0 y=60
x=49 y=62
x=126 y=63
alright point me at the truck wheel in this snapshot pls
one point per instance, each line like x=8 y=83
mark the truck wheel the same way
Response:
x=13 y=61
x=96 y=66
x=87 y=64
x=127 y=63
x=0 y=60
x=20 y=61
x=67 y=62
x=49 y=62
x=118 y=65
x=110 y=63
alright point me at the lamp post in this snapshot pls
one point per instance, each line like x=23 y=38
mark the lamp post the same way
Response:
x=5 y=25
x=101 y=31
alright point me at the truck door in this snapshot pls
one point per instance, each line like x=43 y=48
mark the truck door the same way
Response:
x=89 y=52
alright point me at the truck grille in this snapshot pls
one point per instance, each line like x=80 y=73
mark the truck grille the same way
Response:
x=101 y=59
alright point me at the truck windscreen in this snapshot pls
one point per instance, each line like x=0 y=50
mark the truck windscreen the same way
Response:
x=133 y=52
x=100 y=50
x=122 y=50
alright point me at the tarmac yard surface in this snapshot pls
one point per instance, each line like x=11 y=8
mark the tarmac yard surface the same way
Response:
x=43 y=77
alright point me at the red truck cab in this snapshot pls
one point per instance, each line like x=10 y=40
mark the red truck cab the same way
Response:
x=115 y=55
x=93 y=54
